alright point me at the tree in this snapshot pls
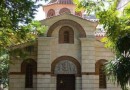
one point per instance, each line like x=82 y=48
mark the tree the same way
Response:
x=13 y=12
x=92 y=6
x=117 y=26
x=13 y=15
x=4 y=66
x=16 y=27
x=118 y=39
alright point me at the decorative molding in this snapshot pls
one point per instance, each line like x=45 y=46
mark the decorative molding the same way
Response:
x=67 y=22
x=38 y=73
x=44 y=73
x=69 y=58
x=45 y=38
x=88 y=73
x=65 y=67
x=49 y=73
x=16 y=73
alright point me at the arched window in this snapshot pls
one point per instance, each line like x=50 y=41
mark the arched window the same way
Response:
x=64 y=10
x=50 y=13
x=29 y=68
x=66 y=35
x=99 y=67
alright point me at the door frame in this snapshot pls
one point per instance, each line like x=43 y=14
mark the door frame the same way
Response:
x=63 y=75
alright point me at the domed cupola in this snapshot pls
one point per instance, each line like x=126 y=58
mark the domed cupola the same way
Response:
x=58 y=7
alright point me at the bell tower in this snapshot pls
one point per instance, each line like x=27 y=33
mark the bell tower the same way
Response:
x=58 y=7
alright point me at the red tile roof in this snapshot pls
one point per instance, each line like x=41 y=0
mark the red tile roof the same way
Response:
x=62 y=1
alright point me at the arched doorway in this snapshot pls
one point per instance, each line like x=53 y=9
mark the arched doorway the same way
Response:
x=66 y=68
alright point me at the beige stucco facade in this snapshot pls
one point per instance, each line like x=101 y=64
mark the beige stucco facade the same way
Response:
x=85 y=51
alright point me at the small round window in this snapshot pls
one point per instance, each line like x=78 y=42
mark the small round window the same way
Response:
x=64 y=10
x=51 y=13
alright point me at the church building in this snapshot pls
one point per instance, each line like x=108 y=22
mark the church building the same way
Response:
x=70 y=55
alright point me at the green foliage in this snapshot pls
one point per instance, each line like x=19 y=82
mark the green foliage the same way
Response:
x=118 y=39
x=91 y=6
x=27 y=34
x=23 y=34
x=127 y=10
x=4 y=67
x=13 y=12
x=117 y=26
x=123 y=44
x=16 y=27
x=119 y=70
x=9 y=38
x=14 y=15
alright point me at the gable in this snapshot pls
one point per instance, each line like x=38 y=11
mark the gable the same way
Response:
x=83 y=26
x=80 y=20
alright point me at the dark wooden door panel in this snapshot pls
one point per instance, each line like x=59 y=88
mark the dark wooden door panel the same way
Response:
x=65 y=82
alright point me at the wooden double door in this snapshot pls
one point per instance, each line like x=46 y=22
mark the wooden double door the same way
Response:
x=65 y=82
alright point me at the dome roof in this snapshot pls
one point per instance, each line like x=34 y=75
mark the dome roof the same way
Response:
x=61 y=1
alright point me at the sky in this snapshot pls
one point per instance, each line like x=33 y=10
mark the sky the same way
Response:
x=122 y=4
x=40 y=15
